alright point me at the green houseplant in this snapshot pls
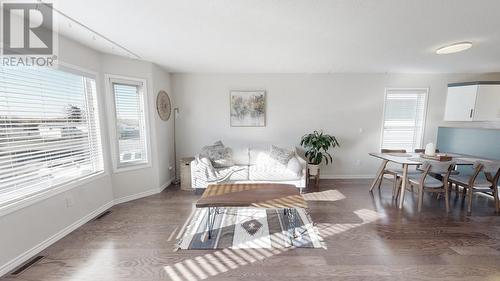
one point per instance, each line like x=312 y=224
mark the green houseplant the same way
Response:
x=317 y=145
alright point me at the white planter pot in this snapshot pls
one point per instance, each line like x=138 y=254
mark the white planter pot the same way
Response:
x=313 y=169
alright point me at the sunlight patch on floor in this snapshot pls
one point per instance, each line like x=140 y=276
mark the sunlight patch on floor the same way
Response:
x=220 y=261
x=327 y=195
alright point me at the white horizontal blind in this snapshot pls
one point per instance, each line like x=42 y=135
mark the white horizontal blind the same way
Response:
x=49 y=130
x=130 y=124
x=404 y=116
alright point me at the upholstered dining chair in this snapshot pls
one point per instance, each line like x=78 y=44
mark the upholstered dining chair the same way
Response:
x=422 y=150
x=473 y=183
x=426 y=183
x=392 y=172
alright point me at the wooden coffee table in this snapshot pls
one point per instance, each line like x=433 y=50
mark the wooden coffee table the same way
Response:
x=257 y=195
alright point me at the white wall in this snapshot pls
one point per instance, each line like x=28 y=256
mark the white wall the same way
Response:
x=28 y=230
x=164 y=130
x=339 y=104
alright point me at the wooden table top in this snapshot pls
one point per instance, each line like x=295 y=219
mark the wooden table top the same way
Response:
x=411 y=158
x=260 y=195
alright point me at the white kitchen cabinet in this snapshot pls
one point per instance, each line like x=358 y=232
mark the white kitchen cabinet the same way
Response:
x=487 y=103
x=473 y=102
x=460 y=103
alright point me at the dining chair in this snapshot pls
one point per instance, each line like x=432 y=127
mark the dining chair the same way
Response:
x=426 y=183
x=473 y=183
x=422 y=150
x=393 y=172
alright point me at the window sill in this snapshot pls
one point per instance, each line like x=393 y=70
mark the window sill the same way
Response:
x=131 y=167
x=31 y=199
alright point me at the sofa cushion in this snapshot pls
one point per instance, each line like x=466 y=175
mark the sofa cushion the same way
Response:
x=281 y=155
x=207 y=167
x=240 y=174
x=255 y=153
x=240 y=156
x=268 y=173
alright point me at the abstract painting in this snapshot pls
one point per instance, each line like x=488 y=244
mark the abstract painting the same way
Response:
x=248 y=108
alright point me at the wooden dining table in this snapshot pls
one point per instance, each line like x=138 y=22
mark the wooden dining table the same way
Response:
x=414 y=159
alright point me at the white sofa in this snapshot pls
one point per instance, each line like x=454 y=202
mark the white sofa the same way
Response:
x=251 y=165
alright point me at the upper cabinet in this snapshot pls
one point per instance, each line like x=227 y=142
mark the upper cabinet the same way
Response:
x=487 y=103
x=478 y=101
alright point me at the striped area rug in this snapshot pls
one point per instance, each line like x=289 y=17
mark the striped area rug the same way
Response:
x=243 y=228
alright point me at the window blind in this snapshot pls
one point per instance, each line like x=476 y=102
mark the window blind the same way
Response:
x=130 y=124
x=49 y=130
x=404 y=114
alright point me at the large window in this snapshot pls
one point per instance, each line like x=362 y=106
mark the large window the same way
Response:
x=130 y=122
x=404 y=118
x=49 y=130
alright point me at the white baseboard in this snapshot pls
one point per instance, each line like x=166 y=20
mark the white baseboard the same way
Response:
x=165 y=185
x=330 y=177
x=4 y=269
x=142 y=194
x=135 y=196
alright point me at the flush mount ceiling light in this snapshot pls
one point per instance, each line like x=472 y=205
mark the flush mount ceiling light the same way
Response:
x=454 y=48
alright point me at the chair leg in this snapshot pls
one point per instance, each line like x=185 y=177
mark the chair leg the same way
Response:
x=380 y=181
x=447 y=200
x=469 y=201
x=395 y=187
x=398 y=189
x=420 y=198
x=497 y=203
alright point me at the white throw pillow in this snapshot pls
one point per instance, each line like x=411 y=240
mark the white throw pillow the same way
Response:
x=294 y=166
x=240 y=156
x=264 y=160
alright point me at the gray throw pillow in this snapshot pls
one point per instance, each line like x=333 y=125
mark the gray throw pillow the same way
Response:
x=205 y=151
x=280 y=154
x=220 y=155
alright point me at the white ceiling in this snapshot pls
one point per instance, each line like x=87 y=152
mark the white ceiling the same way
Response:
x=294 y=36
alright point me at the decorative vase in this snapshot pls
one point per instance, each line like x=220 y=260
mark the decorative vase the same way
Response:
x=430 y=149
x=313 y=169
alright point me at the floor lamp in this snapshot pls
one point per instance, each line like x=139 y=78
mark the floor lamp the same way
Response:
x=176 y=178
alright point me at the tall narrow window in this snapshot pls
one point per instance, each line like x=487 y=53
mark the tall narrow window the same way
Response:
x=130 y=121
x=49 y=130
x=404 y=118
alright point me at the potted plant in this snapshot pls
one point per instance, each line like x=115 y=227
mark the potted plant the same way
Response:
x=317 y=145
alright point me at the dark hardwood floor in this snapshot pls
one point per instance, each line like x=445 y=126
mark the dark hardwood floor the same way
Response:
x=367 y=237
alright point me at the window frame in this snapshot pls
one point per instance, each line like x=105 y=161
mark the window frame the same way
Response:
x=40 y=195
x=424 y=121
x=111 y=79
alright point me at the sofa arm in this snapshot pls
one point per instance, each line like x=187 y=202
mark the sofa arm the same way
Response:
x=199 y=177
x=303 y=164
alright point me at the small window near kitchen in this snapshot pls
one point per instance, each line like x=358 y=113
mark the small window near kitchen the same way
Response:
x=404 y=118
x=130 y=122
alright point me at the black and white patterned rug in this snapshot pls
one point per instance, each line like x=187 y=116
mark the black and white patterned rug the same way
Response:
x=243 y=228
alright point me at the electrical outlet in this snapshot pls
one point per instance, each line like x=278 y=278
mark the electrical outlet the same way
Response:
x=358 y=162
x=360 y=130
